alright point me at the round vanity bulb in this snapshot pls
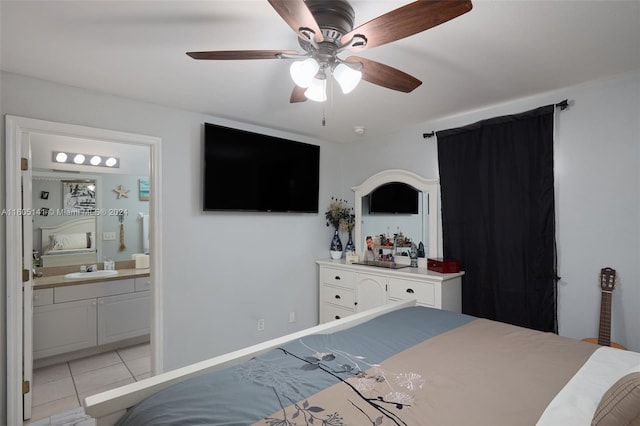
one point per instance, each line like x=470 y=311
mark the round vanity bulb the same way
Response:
x=96 y=160
x=61 y=157
x=110 y=162
x=78 y=159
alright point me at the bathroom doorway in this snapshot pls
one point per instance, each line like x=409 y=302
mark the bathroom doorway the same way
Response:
x=19 y=133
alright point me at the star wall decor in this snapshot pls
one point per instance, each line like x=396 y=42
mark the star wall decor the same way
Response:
x=121 y=192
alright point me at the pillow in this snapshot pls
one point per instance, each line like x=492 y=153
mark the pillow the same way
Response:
x=620 y=405
x=70 y=241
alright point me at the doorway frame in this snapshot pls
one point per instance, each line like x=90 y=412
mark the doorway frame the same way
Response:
x=15 y=129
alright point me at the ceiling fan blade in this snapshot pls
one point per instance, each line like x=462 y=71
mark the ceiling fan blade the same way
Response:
x=298 y=16
x=407 y=20
x=385 y=76
x=242 y=54
x=297 y=95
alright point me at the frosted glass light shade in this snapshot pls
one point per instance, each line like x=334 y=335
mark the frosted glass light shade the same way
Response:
x=302 y=72
x=317 y=91
x=347 y=77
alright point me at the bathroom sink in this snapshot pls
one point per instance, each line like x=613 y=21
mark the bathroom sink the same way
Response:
x=90 y=275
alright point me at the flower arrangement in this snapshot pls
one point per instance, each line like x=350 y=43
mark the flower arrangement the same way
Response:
x=339 y=215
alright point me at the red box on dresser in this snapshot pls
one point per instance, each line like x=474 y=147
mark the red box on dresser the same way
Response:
x=444 y=266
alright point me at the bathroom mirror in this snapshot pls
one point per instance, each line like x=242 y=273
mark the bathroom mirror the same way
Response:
x=419 y=226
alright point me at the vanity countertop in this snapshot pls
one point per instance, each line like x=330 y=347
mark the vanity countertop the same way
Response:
x=60 y=280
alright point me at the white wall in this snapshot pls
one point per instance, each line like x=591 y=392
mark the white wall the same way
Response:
x=224 y=271
x=597 y=163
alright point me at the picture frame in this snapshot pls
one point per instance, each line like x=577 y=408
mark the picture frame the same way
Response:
x=44 y=195
x=144 y=190
x=79 y=195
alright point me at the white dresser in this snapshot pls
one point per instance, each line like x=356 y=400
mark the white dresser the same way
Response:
x=347 y=288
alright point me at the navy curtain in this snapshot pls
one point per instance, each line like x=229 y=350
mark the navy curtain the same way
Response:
x=498 y=216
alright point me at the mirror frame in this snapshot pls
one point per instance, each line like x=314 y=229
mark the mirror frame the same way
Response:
x=428 y=186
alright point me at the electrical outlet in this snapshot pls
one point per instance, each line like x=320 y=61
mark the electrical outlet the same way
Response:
x=292 y=316
x=261 y=324
x=108 y=236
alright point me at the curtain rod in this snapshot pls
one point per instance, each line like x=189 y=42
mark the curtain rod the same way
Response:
x=562 y=105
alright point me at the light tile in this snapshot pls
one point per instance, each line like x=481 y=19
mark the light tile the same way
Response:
x=98 y=389
x=94 y=379
x=139 y=366
x=38 y=422
x=86 y=422
x=44 y=411
x=142 y=376
x=94 y=362
x=51 y=373
x=135 y=352
x=71 y=417
x=50 y=391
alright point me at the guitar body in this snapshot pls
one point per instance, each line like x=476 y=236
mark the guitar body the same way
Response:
x=594 y=340
x=607 y=284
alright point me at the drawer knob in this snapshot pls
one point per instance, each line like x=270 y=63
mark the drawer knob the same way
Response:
x=337 y=278
x=337 y=296
x=337 y=317
x=410 y=290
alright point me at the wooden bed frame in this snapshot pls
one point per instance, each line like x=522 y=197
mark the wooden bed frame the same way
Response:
x=84 y=224
x=107 y=407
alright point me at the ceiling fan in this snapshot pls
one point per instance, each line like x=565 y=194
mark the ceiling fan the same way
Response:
x=325 y=29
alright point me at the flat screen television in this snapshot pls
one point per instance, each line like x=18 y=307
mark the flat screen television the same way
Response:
x=246 y=171
x=395 y=197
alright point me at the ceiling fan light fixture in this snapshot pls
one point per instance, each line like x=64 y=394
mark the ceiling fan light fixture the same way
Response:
x=347 y=77
x=317 y=91
x=303 y=72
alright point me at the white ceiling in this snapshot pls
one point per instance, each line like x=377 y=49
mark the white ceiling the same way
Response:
x=500 y=50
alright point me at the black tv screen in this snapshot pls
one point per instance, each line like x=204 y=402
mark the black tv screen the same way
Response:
x=246 y=171
x=396 y=197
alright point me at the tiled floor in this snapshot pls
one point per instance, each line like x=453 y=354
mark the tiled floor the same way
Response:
x=59 y=389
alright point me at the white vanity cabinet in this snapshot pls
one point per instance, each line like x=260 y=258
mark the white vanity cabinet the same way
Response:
x=70 y=318
x=64 y=327
x=346 y=288
x=123 y=316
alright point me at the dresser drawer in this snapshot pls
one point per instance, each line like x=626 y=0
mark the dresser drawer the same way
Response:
x=338 y=296
x=423 y=292
x=339 y=277
x=332 y=312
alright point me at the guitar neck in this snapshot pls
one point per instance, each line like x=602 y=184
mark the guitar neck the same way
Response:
x=604 y=333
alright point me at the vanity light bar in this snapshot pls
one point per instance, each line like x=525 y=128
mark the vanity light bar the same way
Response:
x=85 y=159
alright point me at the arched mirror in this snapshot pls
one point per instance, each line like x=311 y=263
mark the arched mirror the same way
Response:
x=415 y=216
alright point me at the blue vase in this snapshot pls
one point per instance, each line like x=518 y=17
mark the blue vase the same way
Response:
x=350 y=247
x=336 y=246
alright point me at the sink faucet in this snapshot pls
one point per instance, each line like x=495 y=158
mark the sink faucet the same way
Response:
x=92 y=268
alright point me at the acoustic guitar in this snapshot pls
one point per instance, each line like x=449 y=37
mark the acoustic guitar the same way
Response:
x=607 y=284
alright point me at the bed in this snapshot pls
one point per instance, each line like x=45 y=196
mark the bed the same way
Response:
x=70 y=243
x=399 y=364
